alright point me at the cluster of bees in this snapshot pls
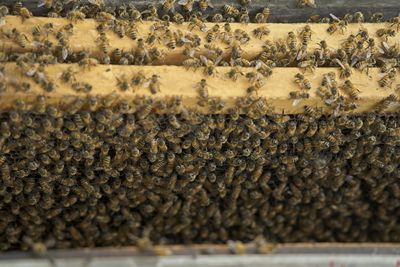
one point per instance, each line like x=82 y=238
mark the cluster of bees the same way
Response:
x=84 y=177
x=97 y=173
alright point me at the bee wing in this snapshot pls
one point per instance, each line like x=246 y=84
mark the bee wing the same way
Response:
x=182 y=2
x=41 y=3
x=147 y=83
x=354 y=61
x=339 y=63
x=31 y=72
x=210 y=4
x=334 y=17
x=297 y=102
x=203 y=59
x=217 y=60
x=64 y=53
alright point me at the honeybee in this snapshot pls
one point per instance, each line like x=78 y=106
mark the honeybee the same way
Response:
x=336 y=24
x=187 y=5
x=345 y=70
x=170 y=39
x=395 y=23
x=386 y=33
x=203 y=93
x=122 y=83
x=376 y=17
x=263 y=16
x=349 y=87
x=178 y=18
x=88 y=63
x=132 y=31
x=298 y=95
x=168 y=5
x=262 y=31
x=153 y=84
x=195 y=22
x=209 y=65
x=234 y=73
x=68 y=75
x=46 y=3
x=138 y=79
x=217 y=17
x=3 y=12
x=358 y=17
x=204 y=4
x=306 y=3
x=231 y=10
x=305 y=35
x=387 y=79
x=75 y=15
x=24 y=13
x=302 y=82
x=213 y=33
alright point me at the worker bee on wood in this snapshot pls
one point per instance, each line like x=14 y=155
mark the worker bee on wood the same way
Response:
x=351 y=90
x=262 y=31
x=75 y=15
x=336 y=25
x=345 y=69
x=153 y=84
x=387 y=79
x=386 y=33
x=122 y=83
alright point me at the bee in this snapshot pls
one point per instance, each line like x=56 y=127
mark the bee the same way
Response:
x=203 y=93
x=138 y=79
x=217 y=17
x=119 y=28
x=345 y=70
x=302 y=82
x=376 y=17
x=88 y=63
x=386 y=102
x=75 y=15
x=305 y=35
x=204 y=4
x=141 y=53
x=81 y=87
x=168 y=5
x=132 y=31
x=395 y=23
x=153 y=84
x=213 y=33
x=3 y=13
x=171 y=41
x=385 y=33
x=358 y=17
x=122 y=83
x=351 y=90
x=209 y=65
x=231 y=10
x=260 y=32
x=387 y=79
x=263 y=16
x=178 y=18
x=337 y=24
x=24 y=13
x=20 y=38
x=292 y=41
x=298 y=95
x=306 y=3
x=197 y=23
x=187 y=5
x=234 y=73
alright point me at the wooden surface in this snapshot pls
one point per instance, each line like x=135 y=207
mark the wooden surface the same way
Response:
x=281 y=10
x=176 y=81
x=85 y=37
